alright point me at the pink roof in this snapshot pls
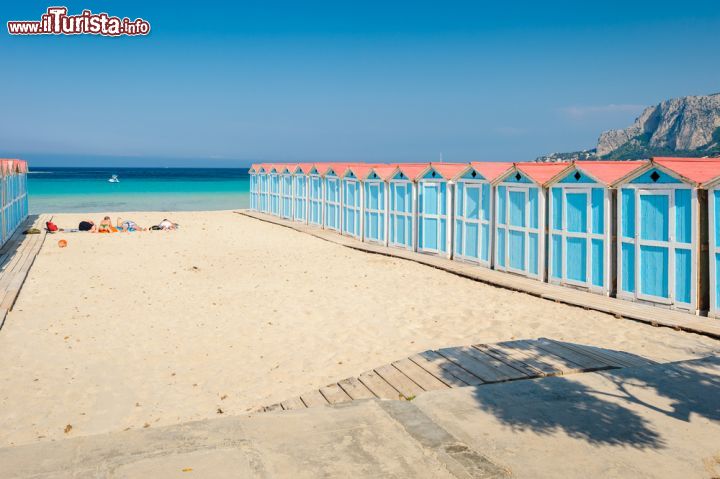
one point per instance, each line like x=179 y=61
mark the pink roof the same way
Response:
x=412 y=170
x=491 y=170
x=338 y=168
x=361 y=170
x=608 y=172
x=385 y=172
x=541 y=173
x=322 y=168
x=448 y=170
x=304 y=167
x=694 y=170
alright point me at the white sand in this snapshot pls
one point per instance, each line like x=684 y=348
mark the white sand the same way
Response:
x=145 y=329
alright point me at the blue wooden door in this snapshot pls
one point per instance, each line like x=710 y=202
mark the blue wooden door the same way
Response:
x=468 y=241
x=275 y=194
x=300 y=207
x=654 y=245
x=430 y=217
x=315 y=197
x=374 y=211
x=576 y=236
x=332 y=203
x=351 y=208
x=287 y=193
x=401 y=211
x=517 y=229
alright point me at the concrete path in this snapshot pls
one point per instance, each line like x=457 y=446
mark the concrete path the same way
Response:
x=660 y=421
x=362 y=439
x=651 y=421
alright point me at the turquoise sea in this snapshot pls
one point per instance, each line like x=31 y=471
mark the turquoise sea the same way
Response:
x=64 y=190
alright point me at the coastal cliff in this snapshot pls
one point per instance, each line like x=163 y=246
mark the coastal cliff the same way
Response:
x=689 y=126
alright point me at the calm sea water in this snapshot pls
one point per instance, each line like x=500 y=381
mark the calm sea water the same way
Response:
x=63 y=190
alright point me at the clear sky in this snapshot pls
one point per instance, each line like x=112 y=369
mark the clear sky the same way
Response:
x=227 y=83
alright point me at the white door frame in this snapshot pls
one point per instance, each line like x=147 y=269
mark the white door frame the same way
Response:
x=275 y=194
x=661 y=244
x=540 y=231
x=408 y=215
x=356 y=208
x=522 y=229
x=477 y=184
x=264 y=198
x=605 y=237
x=300 y=197
x=336 y=202
x=312 y=200
x=380 y=210
x=286 y=195
x=587 y=236
x=673 y=245
x=437 y=216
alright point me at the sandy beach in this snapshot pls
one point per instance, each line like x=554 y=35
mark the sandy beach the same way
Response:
x=128 y=331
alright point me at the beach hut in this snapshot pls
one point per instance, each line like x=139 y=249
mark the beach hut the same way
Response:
x=580 y=252
x=14 y=196
x=286 y=191
x=402 y=226
x=520 y=199
x=713 y=188
x=315 y=196
x=473 y=211
x=254 y=192
x=659 y=234
x=274 y=189
x=300 y=191
x=376 y=203
x=352 y=199
x=263 y=189
x=435 y=208
x=332 y=200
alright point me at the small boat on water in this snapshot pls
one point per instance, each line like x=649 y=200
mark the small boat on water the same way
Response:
x=114 y=179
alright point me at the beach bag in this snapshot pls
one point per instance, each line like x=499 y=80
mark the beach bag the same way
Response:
x=51 y=226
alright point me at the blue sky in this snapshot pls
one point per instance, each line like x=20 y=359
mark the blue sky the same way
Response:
x=227 y=83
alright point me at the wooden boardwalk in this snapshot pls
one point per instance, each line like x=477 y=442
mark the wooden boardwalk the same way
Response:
x=465 y=366
x=16 y=257
x=654 y=315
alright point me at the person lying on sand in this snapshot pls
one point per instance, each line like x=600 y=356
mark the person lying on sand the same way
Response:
x=128 y=225
x=166 y=224
x=87 y=225
x=106 y=226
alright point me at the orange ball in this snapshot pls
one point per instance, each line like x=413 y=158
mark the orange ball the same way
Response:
x=62 y=243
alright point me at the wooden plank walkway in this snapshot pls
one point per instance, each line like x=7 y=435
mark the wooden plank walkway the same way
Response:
x=653 y=315
x=475 y=365
x=16 y=258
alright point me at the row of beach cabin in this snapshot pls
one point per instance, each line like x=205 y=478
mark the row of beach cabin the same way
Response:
x=13 y=196
x=646 y=231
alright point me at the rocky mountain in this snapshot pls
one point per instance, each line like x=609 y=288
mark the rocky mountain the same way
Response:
x=687 y=126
